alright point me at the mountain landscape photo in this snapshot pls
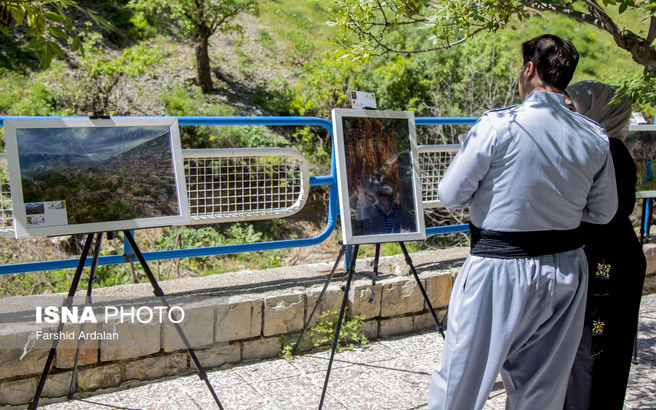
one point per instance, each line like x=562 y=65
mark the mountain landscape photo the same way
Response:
x=128 y=176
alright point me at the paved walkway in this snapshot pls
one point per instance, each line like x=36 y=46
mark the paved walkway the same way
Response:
x=385 y=374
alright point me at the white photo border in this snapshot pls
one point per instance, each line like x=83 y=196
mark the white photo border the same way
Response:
x=22 y=230
x=338 y=114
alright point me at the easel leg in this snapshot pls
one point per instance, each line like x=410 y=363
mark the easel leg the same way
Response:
x=408 y=260
x=338 y=327
x=87 y=302
x=316 y=305
x=68 y=303
x=159 y=293
x=374 y=275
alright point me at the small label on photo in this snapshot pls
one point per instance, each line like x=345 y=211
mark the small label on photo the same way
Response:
x=49 y=213
x=361 y=100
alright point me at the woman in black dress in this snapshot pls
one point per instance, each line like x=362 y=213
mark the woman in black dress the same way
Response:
x=616 y=266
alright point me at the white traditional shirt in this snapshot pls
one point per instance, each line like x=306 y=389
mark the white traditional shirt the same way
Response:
x=535 y=166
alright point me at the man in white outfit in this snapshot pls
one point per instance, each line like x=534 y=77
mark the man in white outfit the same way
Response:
x=530 y=174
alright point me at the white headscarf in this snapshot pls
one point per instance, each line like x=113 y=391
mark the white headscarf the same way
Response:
x=591 y=99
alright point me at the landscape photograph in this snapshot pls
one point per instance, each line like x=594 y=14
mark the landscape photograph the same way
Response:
x=101 y=173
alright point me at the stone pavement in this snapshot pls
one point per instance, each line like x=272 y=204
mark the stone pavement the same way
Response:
x=385 y=374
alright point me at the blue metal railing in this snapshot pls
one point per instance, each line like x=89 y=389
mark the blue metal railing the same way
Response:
x=330 y=180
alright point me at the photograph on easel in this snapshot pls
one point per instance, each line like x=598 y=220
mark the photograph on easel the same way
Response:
x=80 y=175
x=641 y=143
x=378 y=177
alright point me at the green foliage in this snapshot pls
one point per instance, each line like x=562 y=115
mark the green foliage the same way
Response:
x=641 y=89
x=368 y=28
x=323 y=332
x=200 y=19
x=390 y=248
x=350 y=334
x=46 y=21
x=13 y=57
x=195 y=17
x=34 y=99
x=186 y=237
x=287 y=345
x=313 y=146
x=128 y=23
x=191 y=102
x=265 y=39
x=303 y=48
x=466 y=81
x=32 y=94
x=273 y=98
x=35 y=283
x=101 y=72
x=4 y=178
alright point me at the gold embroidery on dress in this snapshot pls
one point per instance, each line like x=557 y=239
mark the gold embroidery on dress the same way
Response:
x=603 y=271
x=598 y=327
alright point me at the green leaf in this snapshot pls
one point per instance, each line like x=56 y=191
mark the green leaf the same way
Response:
x=18 y=13
x=100 y=21
x=45 y=57
x=77 y=44
x=36 y=44
x=623 y=7
x=56 y=49
x=57 y=32
x=52 y=16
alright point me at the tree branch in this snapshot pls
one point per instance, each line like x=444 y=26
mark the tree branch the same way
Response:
x=640 y=48
x=567 y=12
x=652 y=30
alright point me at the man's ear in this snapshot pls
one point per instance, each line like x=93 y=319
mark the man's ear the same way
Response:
x=529 y=70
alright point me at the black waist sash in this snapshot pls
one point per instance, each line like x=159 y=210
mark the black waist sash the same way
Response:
x=512 y=245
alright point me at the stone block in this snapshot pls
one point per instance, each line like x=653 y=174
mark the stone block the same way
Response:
x=358 y=299
x=57 y=385
x=263 y=348
x=155 y=367
x=88 y=349
x=16 y=362
x=438 y=288
x=425 y=321
x=283 y=313
x=396 y=326
x=217 y=356
x=133 y=340
x=332 y=300
x=99 y=377
x=650 y=254
x=401 y=296
x=370 y=329
x=22 y=352
x=17 y=392
x=242 y=321
x=197 y=325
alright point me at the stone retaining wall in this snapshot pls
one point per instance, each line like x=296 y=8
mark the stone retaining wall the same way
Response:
x=224 y=329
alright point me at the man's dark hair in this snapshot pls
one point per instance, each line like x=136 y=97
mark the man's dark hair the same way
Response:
x=555 y=59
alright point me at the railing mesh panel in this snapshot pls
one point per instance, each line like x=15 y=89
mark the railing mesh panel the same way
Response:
x=6 y=215
x=243 y=187
x=433 y=162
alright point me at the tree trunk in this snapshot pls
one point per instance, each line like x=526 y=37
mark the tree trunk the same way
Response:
x=203 y=71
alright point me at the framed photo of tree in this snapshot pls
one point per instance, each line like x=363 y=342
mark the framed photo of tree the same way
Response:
x=76 y=175
x=378 y=176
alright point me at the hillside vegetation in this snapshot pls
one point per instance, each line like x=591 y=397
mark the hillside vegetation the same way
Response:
x=282 y=62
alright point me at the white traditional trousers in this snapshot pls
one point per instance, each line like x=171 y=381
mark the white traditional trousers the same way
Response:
x=521 y=317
